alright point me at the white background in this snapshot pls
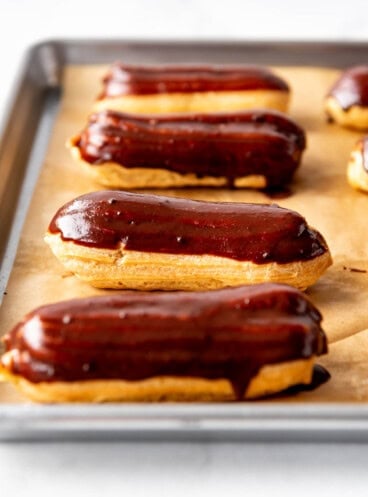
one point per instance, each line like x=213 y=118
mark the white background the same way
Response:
x=178 y=469
x=24 y=21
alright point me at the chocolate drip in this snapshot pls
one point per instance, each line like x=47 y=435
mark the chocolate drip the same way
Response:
x=278 y=193
x=142 y=80
x=152 y=223
x=352 y=88
x=228 y=333
x=320 y=376
x=230 y=145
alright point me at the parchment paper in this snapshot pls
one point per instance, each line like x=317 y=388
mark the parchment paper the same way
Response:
x=320 y=193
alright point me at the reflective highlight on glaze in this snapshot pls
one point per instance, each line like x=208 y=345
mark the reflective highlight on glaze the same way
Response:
x=230 y=145
x=352 y=88
x=227 y=333
x=124 y=79
x=153 y=223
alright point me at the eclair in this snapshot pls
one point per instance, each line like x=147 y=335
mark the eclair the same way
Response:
x=260 y=149
x=165 y=89
x=358 y=165
x=347 y=101
x=116 y=239
x=230 y=344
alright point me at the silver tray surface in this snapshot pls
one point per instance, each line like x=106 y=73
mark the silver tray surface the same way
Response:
x=24 y=137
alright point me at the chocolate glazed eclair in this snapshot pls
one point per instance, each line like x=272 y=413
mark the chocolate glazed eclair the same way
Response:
x=258 y=149
x=358 y=165
x=117 y=239
x=228 y=344
x=188 y=88
x=347 y=101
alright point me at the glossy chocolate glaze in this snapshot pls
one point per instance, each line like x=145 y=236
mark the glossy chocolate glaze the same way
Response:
x=352 y=88
x=320 y=376
x=230 y=145
x=152 y=223
x=227 y=333
x=144 y=80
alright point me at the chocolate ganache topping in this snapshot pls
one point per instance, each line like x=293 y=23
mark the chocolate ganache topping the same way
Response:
x=228 y=333
x=352 y=88
x=230 y=145
x=142 y=80
x=153 y=223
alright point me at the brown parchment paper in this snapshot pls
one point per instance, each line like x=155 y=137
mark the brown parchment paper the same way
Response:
x=320 y=193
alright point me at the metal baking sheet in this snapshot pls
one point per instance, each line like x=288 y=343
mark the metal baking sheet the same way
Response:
x=23 y=142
